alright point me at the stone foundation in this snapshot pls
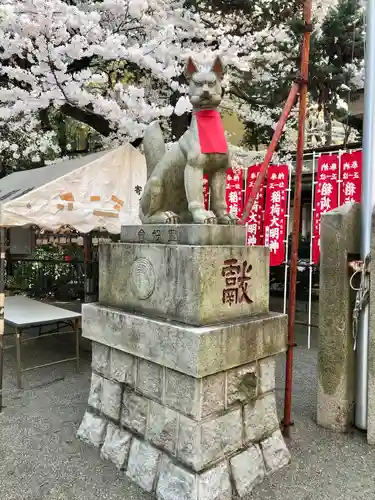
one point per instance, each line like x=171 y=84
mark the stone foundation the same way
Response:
x=188 y=408
x=178 y=435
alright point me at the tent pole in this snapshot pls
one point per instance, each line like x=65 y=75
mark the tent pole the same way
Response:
x=2 y=301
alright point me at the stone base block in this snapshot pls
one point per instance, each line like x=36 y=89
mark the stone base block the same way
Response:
x=194 y=351
x=92 y=429
x=235 y=475
x=185 y=437
x=116 y=446
x=196 y=285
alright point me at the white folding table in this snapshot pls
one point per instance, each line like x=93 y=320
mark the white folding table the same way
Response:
x=22 y=313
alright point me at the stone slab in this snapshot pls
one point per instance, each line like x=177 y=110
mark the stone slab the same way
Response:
x=194 y=397
x=260 y=418
x=150 y=379
x=162 y=428
x=116 y=446
x=92 y=429
x=195 y=351
x=175 y=483
x=143 y=465
x=215 y=484
x=336 y=358
x=111 y=399
x=96 y=389
x=267 y=376
x=134 y=412
x=113 y=364
x=105 y=396
x=185 y=234
x=275 y=452
x=197 y=285
x=242 y=384
x=248 y=470
x=204 y=443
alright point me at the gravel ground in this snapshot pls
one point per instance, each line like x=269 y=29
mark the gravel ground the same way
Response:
x=41 y=459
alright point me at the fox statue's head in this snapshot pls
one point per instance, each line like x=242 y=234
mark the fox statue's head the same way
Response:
x=205 y=89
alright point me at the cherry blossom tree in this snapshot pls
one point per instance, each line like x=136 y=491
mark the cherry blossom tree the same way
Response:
x=113 y=66
x=337 y=65
x=116 y=65
x=336 y=69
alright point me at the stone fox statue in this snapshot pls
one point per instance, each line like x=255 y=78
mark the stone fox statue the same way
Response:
x=174 y=190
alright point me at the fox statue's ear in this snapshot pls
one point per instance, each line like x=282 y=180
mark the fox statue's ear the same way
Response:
x=218 y=68
x=190 y=68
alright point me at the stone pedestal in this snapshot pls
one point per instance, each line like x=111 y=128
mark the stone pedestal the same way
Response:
x=339 y=238
x=183 y=368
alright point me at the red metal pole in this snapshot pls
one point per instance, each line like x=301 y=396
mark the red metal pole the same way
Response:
x=271 y=148
x=297 y=216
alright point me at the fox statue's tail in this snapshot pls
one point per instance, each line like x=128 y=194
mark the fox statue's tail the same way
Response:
x=153 y=146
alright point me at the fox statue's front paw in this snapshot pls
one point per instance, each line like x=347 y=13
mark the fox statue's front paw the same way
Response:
x=161 y=218
x=171 y=218
x=201 y=216
x=228 y=219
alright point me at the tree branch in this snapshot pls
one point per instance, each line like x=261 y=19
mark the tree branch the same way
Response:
x=79 y=64
x=91 y=119
x=242 y=94
x=97 y=122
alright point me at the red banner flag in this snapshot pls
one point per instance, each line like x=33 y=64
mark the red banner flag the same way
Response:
x=254 y=233
x=234 y=191
x=351 y=177
x=326 y=196
x=206 y=191
x=274 y=218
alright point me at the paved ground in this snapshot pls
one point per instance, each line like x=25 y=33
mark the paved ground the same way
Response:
x=41 y=459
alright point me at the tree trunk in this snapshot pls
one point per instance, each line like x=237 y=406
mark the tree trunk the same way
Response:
x=328 y=126
x=179 y=124
x=61 y=134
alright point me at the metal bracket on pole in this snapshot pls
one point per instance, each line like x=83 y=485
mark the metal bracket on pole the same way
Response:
x=301 y=80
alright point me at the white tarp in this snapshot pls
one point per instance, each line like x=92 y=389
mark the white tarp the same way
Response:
x=97 y=191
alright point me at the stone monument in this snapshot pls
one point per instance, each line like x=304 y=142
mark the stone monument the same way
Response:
x=182 y=392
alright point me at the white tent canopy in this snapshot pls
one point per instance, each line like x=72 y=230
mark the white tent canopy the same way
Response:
x=96 y=191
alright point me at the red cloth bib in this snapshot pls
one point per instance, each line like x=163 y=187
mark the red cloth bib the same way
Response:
x=211 y=132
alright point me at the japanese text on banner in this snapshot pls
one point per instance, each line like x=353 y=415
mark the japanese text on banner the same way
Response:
x=254 y=222
x=351 y=177
x=274 y=217
x=326 y=196
x=234 y=191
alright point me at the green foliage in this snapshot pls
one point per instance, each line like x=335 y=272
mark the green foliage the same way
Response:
x=336 y=60
x=49 y=273
x=336 y=54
